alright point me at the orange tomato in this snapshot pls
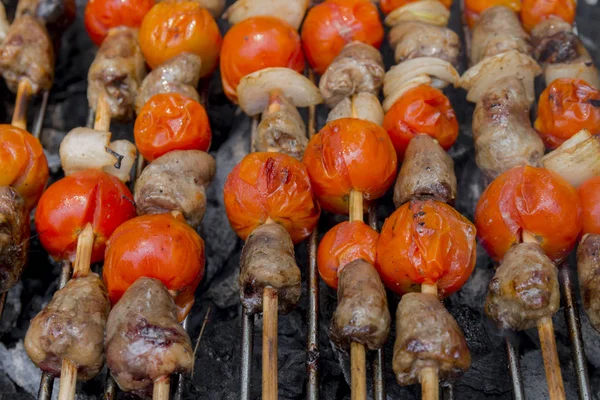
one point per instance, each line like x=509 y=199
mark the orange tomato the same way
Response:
x=171 y=121
x=475 y=7
x=535 y=11
x=349 y=154
x=344 y=243
x=257 y=43
x=174 y=27
x=101 y=15
x=387 y=6
x=68 y=205
x=566 y=107
x=23 y=164
x=270 y=185
x=329 y=26
x=589 y=195
x=532 y=200
x=160 y=246
x=421 y=110
x=426 y=241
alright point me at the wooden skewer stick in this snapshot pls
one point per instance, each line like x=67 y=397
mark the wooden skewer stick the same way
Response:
x=556 y=388
x=102 y=120
x=19 y=118
x=430 y=386
x=162 y=387
x=269 y=352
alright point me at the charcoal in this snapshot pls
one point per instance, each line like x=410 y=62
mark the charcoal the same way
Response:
x=534 y=377
x=12 y=308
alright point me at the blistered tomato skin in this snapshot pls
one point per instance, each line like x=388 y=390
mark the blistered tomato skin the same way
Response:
x=257 y=43
x=67 y=206
x=161 y=246
x=344 y=243
x=174 y=27
x=566 y=107
x=532 y=200
x=23 y=164
x=171 y=121
x=535 y=11
x=270 y=185
x=387 y=6
x=473 y=8
x=331 y=25
x=102 y=15
x=421 y=110
x=426 y=241
x=589 y=195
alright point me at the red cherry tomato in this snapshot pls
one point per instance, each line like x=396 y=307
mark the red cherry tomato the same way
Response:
x=101 y=15
x=68 y=205
x=589 y=195
x=535 y=11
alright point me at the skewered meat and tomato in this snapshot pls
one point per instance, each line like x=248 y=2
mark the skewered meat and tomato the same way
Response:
x=67 y=206
x=71 y=326
x=174 y=27
x=14 y=237
x=257 y=43
x=160 y=246
x=117 y=72
x=56 y=15
x=329 y=26
x=103 y=15
x=144 y=340
x=171 y=121
x=535 y=11
x=176 y=181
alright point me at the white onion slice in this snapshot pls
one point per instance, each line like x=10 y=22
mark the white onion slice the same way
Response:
x=429 y=11
x=128 y=150
x=441 y=72
x=291 y=11
x=365 y=105
x=389 y=101
x=574 y=70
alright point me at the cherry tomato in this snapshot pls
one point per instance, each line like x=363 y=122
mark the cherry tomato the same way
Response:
x=387 y=6
x=160 y=246
x=589 y=195
x=171 y=121
x=344 y=243
x=532 y=200
x=329 y=26
x=535 y=11
x=23 y=164
x=566 y=107
x=101 y=15
x=473 y=8
x=421 y=110
x=257 y=43
x=350 y=154
x=174 y=27
x=426 y=241
x=270 y=185
x=68 y=205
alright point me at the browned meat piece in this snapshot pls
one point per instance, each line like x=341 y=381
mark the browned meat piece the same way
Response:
x=57 y=15
x=427 y=171
x=281 y=129
x=178 y=75
x=71 y=326
x=4 y=24
x=27 y=53
x=412 y=39
x=117 y=72
x=588 y=270
x=502 y=130
x=362 y=313
x=497 y=31
x=553 y=41
x=427 y=336
x=14 y=237
x=268 y=260
x=358 y=68
x=144 y=340
x=176 y=181
x=524 y=288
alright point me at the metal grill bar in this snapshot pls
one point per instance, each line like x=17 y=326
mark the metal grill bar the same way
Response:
x=247 y=347
x=514 y=366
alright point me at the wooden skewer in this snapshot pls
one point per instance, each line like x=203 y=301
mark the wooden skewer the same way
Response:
x=102 y=120
x=269 y=352
x=19 y=118
x=162 y=387
x=430 y=387
x=556 y=388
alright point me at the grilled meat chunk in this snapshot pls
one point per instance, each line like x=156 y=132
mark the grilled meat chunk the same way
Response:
x=412 y=39
x=553 y=41
x=588 y=270
x=362 y=105
x=4 y=24
x=56 y=15
x=117 y=72
x=14 y=237
x=524 y=288
x=177 y=75
x=362 y=314
x=176 y=181
x=358 y=68
x=498 y=31
x=427 y=336
x=427 y=171
x=71 y=326
x=27 y=53
x=281 y=128
x=268 y=260
x=502 y=130
x=144 y=340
